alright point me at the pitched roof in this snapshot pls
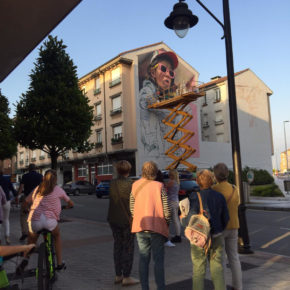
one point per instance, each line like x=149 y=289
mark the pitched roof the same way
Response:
x=221 y=79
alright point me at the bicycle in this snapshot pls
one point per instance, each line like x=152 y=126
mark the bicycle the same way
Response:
x=45 y=271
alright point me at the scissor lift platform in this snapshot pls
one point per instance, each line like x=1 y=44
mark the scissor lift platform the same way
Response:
x=176 y=105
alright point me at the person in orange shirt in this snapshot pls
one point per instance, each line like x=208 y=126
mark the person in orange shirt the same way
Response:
x=151 y=216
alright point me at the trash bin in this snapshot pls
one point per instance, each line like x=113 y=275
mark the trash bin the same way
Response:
x=287 y=185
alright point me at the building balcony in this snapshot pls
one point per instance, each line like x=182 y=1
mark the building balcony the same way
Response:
x=116 y=140
x=99 y=144
x=219 y=122
x=97 y=91
x=98 y=118
x=115 y=82
x=116 y=111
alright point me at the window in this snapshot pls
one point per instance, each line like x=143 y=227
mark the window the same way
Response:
x=217 y=96
x=115 y=77
x=98 y=111
x=66 y=155
x=116 y=105
x=97 y=86
x=117 y=132
x=99 y=137
x=206 y=138
x=84 y=90
x=82 y=171
x=42 y=155
x=105 y=169
x=33 y=158
x=219 y=117
x=21 y=158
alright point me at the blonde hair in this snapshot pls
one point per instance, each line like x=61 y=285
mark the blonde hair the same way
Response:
x=204 y=178
x=123 y=167
x=174 y=174
x=149 y=170
x=48 y=183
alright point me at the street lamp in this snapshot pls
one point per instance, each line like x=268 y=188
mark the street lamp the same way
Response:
x=180 y=20
x=286 y=145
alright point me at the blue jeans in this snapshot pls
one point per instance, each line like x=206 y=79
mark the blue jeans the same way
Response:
x=146 y=241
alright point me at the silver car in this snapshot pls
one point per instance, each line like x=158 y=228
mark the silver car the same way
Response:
x=79 y=187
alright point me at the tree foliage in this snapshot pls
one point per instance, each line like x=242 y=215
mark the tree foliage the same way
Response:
x=8 y=145
x=54 y=115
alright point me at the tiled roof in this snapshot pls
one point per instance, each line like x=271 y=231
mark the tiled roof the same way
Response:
x=221 y=79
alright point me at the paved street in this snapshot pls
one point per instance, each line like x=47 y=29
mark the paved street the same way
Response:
x=88 y=253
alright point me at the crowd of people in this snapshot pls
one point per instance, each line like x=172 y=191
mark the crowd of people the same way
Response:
x=146 y=208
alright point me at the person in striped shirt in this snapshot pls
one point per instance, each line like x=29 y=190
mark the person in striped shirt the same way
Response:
x=45 y=201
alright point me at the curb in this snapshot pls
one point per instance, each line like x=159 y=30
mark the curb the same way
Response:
x=265 y=207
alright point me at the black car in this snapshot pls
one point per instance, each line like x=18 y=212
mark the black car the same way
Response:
x=103 y=188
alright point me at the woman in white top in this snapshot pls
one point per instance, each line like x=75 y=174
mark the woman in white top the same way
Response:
x=45 y=213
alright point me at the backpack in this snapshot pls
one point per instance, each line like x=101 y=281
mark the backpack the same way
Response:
x=198 y=229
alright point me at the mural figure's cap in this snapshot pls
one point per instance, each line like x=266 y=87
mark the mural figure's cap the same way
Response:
x=162 y=52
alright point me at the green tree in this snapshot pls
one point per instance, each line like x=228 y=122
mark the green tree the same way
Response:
x=54 y=115
x=8 y=145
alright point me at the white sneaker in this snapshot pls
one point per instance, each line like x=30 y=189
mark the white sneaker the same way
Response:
x=169 y=244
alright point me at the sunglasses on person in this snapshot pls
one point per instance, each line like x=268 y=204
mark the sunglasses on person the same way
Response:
x=165 y=69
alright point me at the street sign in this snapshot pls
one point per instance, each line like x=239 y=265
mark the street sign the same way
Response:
x=250 y=176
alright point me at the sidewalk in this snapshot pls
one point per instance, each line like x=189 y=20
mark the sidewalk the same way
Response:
x=87 y=250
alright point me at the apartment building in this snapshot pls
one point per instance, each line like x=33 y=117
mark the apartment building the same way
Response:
x=124 y=129
x=254 y=119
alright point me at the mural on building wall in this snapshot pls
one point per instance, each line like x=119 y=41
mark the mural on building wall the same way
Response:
x=161 y=76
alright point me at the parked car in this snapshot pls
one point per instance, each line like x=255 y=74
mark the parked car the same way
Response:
x=103 y=188
x=79 y=187
x=186 y=187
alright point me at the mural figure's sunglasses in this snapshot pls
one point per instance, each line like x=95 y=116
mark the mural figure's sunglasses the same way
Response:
x=165 y=69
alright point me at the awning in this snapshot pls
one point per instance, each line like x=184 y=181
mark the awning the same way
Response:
x=24 y=24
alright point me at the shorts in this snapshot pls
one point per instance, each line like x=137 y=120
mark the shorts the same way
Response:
x=42 y=223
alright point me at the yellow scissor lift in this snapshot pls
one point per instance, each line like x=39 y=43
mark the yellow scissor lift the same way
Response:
x=176 y=105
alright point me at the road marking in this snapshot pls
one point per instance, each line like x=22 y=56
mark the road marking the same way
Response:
x=287 y=229
x=275 y=240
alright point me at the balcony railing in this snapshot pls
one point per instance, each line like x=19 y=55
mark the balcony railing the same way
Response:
x=116 y=111
x=117 y=140
x=115 y=82
x=97 y=91
x=99 y=144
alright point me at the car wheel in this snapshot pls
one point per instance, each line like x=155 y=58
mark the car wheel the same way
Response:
x=99 y=195
x=77 y=192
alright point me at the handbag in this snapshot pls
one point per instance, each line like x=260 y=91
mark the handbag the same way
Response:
x=198 y=229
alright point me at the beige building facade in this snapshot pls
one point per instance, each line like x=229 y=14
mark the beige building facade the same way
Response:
x=124 y=130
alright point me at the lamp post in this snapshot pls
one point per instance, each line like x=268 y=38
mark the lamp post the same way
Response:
x=180 y=20
x=286 y=145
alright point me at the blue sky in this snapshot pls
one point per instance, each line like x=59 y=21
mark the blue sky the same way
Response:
x=96 y=31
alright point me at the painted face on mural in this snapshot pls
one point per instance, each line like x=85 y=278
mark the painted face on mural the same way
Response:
x=163 y=74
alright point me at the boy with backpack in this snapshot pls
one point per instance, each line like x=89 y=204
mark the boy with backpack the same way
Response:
x=206 y=240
